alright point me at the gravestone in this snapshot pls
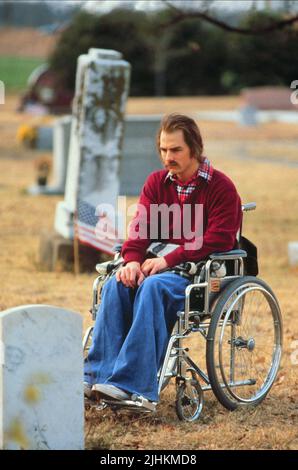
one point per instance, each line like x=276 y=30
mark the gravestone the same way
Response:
x=41 y=379
x=102 y=83
x=140 y=156
x=293 y=253
x=96 y=136
x=61 y=138
x=59 y=143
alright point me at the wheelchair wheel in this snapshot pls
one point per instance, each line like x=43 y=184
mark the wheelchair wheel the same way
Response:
x=244 y=343
x=189 y=400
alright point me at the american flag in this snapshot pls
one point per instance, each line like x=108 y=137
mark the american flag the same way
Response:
x=94 y=230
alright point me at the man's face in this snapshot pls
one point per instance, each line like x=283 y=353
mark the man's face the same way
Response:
x=176 y=155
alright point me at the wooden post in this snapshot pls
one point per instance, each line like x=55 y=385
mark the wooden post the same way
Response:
x=76 y=246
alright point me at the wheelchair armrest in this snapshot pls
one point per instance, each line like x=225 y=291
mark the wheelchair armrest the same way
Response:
x=249 y=206
x=117 y=248
x=226 y=255
x=108 y=266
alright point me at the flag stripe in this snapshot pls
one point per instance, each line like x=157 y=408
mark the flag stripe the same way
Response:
x=82 y=233
x=87 y=237
x=89 y=232
x=98 y=234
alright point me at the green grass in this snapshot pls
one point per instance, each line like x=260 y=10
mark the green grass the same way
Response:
x=14 y=71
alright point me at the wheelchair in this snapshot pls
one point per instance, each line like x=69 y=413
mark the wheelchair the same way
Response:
x=238 y=317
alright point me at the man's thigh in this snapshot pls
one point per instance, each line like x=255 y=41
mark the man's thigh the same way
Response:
x=164 y=291
x=167 y=281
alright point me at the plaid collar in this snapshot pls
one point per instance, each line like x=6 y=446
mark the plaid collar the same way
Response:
x=205 y=171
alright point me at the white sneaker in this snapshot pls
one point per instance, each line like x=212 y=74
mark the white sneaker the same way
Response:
x=110 y=391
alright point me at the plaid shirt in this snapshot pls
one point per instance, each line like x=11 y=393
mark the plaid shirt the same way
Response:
x=185 y=189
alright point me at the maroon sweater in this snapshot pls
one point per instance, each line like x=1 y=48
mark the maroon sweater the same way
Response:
x=222 y=216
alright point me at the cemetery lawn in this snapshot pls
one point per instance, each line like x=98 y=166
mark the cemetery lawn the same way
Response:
x=272 y=185
x=14 y=71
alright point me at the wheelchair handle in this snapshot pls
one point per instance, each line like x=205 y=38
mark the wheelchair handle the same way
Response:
x=118 y=247
x=250 y=206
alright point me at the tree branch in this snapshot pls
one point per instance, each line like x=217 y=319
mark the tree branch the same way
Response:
x=180 y=16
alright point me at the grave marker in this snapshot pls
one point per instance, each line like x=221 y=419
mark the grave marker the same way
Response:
x=41 y=379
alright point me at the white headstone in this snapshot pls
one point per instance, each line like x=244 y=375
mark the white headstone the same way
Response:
x=61 y=137
x=41 y=379
x=102 y=84
x=293 y=253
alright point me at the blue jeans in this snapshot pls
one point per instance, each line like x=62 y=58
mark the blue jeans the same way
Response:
x=132 y=331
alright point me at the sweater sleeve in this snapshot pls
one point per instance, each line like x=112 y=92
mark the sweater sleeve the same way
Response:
x=224 y=215
x=134 y=249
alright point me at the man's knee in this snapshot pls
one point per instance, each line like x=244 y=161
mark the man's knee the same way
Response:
x=112 y=285
x=154 y=283
x=164 y=284
x=115 y=290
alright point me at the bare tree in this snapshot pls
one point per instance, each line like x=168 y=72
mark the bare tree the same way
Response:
x=203 y=14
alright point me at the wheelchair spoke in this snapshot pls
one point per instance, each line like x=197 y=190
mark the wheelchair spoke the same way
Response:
x=189 y=402
x=246 y=350
x=254 y=363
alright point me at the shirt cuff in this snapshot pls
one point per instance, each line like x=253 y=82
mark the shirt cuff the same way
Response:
x=176 y=257
x=133 y=256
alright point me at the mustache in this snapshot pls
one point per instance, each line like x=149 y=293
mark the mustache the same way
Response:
x=171 y=164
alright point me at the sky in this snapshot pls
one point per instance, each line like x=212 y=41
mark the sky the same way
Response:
x=147 y=5
x=104 y=6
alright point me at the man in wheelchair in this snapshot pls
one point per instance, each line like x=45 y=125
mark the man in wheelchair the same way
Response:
x=139 y=303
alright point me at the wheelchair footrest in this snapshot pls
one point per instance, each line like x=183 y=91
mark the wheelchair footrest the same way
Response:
x=137 y=403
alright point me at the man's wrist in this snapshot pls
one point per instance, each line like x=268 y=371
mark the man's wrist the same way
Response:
x=133 y=262
x=133 y=257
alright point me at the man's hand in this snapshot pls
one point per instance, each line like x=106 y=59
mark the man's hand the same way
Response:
x=153 y=266
x=130 y=274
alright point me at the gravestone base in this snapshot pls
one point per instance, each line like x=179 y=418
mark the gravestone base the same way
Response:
x=56 y=253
